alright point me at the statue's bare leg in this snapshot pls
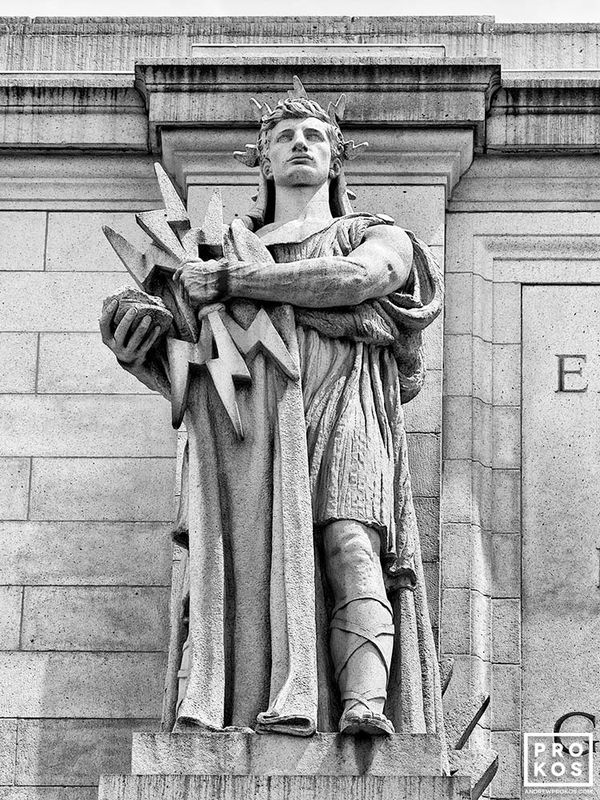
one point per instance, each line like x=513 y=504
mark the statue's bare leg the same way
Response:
x=362 y=631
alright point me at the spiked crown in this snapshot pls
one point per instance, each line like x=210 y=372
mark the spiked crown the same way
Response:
x=298 y=103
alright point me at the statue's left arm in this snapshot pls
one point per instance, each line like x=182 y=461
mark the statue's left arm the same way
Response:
x=381 y=264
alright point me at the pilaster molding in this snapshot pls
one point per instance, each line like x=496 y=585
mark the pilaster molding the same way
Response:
x=489 y=258
x=434 y=157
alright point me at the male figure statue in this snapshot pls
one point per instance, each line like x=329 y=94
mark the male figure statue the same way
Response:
x=323 y=456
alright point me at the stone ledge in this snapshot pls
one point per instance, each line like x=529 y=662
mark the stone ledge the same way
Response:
x=425 y=157
x=68 y=110
x=324 y=754
x=322 y=51
x=432 y=92
x=541 y=111
x=32 y=179
x=283 y=787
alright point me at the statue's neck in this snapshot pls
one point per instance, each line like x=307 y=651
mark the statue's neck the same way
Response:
x=300 y=211
x=301 y=202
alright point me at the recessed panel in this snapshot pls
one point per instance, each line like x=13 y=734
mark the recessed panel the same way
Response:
x=561 y=505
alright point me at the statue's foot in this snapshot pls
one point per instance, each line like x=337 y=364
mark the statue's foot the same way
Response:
x=366 y=722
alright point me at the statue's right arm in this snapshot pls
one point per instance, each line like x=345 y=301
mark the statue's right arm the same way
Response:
x=131 y=343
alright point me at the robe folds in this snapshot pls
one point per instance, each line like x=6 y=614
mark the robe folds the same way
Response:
x=330 y=445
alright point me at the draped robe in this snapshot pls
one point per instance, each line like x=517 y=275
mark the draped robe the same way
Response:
x=331 y=445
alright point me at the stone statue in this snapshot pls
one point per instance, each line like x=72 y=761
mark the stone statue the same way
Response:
x=305 y=592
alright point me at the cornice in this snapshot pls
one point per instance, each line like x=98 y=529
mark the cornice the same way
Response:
x=390 y=91
x=535 y=111
x=71 y=110
x=554 y=110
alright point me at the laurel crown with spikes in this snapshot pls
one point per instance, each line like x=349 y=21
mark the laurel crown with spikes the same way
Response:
x=250 y=156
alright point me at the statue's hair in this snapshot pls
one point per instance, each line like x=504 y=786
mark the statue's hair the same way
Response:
x=299 y=108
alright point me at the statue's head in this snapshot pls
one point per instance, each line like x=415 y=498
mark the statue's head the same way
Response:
x=299 y=118
x=312 y=124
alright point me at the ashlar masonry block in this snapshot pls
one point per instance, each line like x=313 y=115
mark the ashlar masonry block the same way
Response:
x=507 y=374
x=8 y=743
x=428 y=520
x=106 y=618
x=506 y=630
x=424 y=457
x=18 y=362
x=11 y=600
x=85 y=425
x=228 y=766
x=76 y=242
x=14 y=487
x=85 y=553
x=73 y=752
x=458 y=364
x=79 y=363
x=323 y=754
x=48 y=793
x=22 y=235
x=54 y=301
x=423 y=414
x=134 y=489
x=114 y=685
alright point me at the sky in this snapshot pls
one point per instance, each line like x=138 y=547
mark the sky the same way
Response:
x=502 y=10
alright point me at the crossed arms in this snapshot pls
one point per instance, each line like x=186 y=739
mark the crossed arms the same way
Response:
x=380 y=265
x=377 y=267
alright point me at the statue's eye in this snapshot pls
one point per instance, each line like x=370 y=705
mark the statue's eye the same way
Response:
x=315 y=136
x=285 y=136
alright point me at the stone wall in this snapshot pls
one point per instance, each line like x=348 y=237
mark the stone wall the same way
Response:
x=87 y=480
x=522 y=233
x=89 y=454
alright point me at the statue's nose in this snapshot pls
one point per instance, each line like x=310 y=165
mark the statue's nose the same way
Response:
x=300 y=143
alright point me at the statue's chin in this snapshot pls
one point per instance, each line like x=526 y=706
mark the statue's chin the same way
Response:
x=301 y=175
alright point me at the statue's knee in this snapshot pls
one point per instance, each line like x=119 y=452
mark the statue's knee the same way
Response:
x=350 y=551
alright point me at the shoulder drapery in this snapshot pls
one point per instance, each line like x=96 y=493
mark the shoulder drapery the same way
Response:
x=397 y=320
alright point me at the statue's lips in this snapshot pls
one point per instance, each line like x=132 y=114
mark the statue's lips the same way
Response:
x=301 y=160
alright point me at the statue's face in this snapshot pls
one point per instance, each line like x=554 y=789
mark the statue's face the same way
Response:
x=300 y=153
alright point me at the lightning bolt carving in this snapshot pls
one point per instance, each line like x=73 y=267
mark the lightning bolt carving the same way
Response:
x=198 y=339
x=262 y=336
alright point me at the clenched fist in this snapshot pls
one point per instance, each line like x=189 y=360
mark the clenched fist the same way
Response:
x=203 y=281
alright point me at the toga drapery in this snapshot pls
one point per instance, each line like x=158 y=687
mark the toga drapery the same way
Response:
x=329 y=446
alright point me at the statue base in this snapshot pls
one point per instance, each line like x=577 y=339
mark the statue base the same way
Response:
x=249 y=766
x=280 y=787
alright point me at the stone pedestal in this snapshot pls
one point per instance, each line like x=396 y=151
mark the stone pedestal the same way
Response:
x=280 y=787
x=326 y=754
x=246 y=766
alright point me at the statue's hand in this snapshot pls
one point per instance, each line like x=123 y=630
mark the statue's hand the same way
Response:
x=131 y=339
x=203 y=281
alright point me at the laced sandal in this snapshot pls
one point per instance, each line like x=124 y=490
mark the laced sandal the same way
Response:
x=357 y=632
x=354 y=723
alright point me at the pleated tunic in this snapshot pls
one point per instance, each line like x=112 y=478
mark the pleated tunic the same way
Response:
x=344 y=386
